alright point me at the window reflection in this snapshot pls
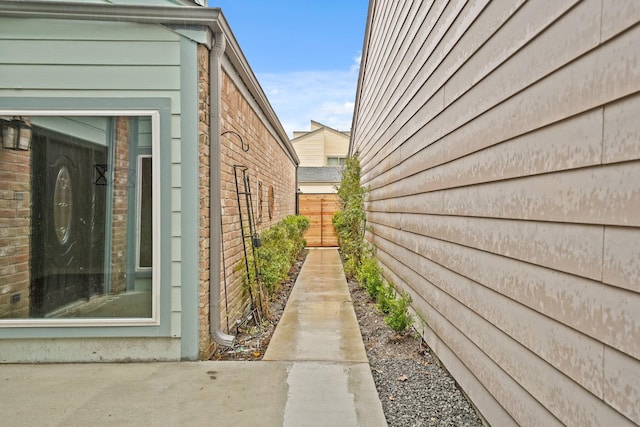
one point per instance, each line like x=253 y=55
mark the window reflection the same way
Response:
x=62 y=205
x=145 y=201
x=77 y=237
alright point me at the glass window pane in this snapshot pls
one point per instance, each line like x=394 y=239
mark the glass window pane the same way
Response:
x=62 y=205
x=335 y=161
x=145 y=219
x=77 y=211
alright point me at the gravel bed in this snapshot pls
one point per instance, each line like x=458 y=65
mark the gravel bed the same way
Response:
x=413 y=388
x=427 y=397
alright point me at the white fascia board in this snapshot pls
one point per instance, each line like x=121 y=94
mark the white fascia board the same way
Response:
x=363 y=64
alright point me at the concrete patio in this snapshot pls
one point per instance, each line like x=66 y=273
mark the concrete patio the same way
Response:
x=314 y=373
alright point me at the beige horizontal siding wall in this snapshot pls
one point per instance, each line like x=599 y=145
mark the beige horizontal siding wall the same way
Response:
x=500 y=141
x=310 y=150
x=335 y=144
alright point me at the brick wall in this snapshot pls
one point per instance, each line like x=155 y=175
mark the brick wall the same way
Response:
x=205 y=342
x=120 y=201
x=15 y=217
x=268 y=168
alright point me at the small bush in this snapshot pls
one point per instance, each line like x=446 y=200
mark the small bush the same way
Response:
x=399 y=319
x=295 y=226
x=369 y=276
x=386 y=298
x=350 y=223
x=281 y=246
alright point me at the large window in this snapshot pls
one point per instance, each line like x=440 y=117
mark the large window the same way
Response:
x=77 y=235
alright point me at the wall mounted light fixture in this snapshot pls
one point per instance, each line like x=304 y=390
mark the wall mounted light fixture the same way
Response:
x=16 y=133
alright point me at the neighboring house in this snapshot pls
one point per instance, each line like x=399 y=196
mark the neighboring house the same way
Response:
x=110 y=224
x=500 y=142
x=319 y=180
x=322 y=152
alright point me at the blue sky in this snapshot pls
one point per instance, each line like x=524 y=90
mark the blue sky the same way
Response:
x=305 y=54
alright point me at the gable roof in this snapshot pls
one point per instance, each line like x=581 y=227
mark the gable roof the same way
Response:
x=318 y=124
x=319 y=129
x=306 y=134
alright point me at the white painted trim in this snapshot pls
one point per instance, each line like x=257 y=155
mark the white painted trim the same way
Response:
x=154 y=320
x=155 y=216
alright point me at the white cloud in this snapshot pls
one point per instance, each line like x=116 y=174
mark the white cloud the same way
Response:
x=324 y=96
x=356 y=63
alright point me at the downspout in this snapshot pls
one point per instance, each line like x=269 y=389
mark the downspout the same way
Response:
x=215 y=208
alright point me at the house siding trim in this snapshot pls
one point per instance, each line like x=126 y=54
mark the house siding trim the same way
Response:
x=112 y=12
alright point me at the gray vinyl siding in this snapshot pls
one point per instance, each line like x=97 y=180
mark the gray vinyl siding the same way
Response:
x=42 y=58
x=500 y=142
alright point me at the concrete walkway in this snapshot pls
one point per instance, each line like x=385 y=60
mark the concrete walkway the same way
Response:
x=330 y=382
x=314 y=373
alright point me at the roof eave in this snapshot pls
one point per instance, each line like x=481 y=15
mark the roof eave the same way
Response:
x=165 y=15
x=240 y=63
x=186 y=15
x=361 y=73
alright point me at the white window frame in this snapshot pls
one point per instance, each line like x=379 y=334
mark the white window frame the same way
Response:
x=154 y=320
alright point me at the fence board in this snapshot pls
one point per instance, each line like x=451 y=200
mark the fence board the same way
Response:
x=319 y=208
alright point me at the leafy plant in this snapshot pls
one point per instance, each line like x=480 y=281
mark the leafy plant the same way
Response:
x=281 y=246
x=350 y=220
x=399 y=319
x=386 y=298
x=295 y=226
x=359 y=262
x=369 y=276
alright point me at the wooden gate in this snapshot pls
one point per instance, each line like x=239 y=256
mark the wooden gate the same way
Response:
x=319 y=208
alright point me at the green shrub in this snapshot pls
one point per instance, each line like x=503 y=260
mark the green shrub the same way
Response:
x=386 y=298
x=399 y=319
x=281 y=246
x=350 y=220
x=295 y=226
x=359 y=262
x=369 y=276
